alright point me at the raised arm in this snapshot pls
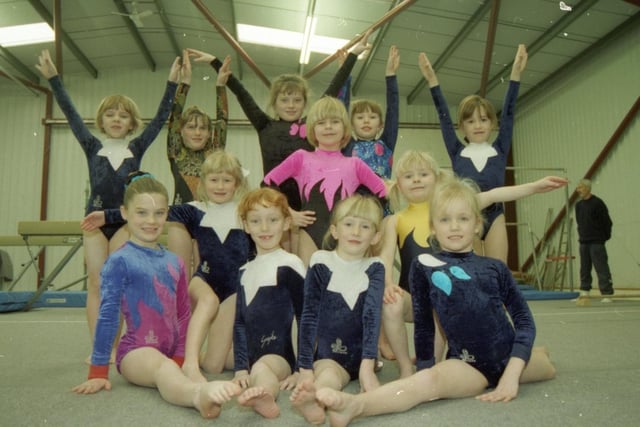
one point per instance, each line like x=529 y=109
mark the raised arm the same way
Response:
x=515 y=192
x=519 y=63
x=427 y=70
x=174 y=139
x=392 y=117
x=222 y=105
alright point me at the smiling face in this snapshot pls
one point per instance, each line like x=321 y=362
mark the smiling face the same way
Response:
x=366 y=124
x=289 y=106
x=116 y=122
x=329 y=133
x=266 y=226
x=220 y=187
x=455 y=226
x=416 y=183
x=355 y=236
x=146 y=214
x=195 y=133
x=477 y=127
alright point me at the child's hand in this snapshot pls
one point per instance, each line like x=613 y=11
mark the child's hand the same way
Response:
x=549 y=183
x=92 y=221
x=302 y=218
x=45 y=65
x=519 y=63
x=427 y=70
x=92 y=386
x=174 y=73
x=185 y=70
x=224 y=72
x=341 y=56
x=200 y=56
x=362 y=45
x=506 y=391
x=242 y=378
x=290 y=382
x=393 y=62
x=391 y=294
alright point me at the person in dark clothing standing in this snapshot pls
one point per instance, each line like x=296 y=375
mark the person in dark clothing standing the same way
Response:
x=594 y=229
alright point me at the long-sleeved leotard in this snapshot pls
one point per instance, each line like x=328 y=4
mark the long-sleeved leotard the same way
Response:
x=341 y=314
x=111 y=161
x=378 y=153
x=484 y=163
x=149 y=288
x=223 y=245
x=280 y=138
x=469 y=294
x=270 y=294
x=186 y=163
x=323 y=178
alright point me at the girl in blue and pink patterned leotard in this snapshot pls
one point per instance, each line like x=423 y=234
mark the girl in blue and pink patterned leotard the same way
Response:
x=147 y=285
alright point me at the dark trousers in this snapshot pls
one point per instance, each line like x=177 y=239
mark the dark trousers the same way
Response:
x=595 y=254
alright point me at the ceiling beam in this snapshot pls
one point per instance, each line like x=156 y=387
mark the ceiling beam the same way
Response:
x=488 y=50
x=467 y=28
x=137 y=37
x=167 y=27
x=19 y=66
x=629 y=25
x=562 y=23
x=374 y=49
x=380 y=22
x=80 y=56
x=234 y=34
x=231 y=40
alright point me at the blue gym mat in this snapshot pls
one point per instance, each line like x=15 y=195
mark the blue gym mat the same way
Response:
x=532 y=294
x=16 y=301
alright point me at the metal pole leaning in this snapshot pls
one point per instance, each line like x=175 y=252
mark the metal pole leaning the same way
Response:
x=380 y=22
x=229 y=38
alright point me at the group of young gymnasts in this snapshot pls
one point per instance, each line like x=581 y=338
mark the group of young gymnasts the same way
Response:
x=315 y=243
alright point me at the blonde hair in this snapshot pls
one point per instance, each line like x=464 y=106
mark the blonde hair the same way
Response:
x=359 y=206
x=266 y=197
x=288 y=83
x=114 y=102
x=465 y=190
x=328 y=108
x=413 y=159
x=221 y=161
x=472 y=102
x=140 y=182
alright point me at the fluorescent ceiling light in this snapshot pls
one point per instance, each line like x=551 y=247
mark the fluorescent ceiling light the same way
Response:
x=19 y=35
x=290 y=39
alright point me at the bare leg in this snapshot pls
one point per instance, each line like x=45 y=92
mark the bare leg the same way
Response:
x=393 y=324
x=217 y=355
x=148 y=367
x=96 y=250
x=496 y=244
x=306 y=247
x=204 y=303
x=448 y=379
x=328 y=374
x=539 y=367
x=266 y=375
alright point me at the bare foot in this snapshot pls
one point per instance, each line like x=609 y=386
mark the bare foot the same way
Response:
x=210 y=397
x=341 y=407
x=261 y=401
x=194 y=373
x=303 y=397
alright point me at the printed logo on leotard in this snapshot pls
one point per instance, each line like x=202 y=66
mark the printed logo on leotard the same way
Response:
x=264 y=341
x=97 y=202
x=205 y=267
x=443 y=282
x=298 y=129
x=338 y=348
x=151 y=337
x=467 y=357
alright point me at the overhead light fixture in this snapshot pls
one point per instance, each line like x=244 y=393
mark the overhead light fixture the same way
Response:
x=274 y=37
x=20 y=35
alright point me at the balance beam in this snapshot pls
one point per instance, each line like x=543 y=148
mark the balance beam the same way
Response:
x=64 y=231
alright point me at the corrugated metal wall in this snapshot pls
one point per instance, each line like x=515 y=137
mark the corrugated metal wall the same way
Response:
x=567 y=125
